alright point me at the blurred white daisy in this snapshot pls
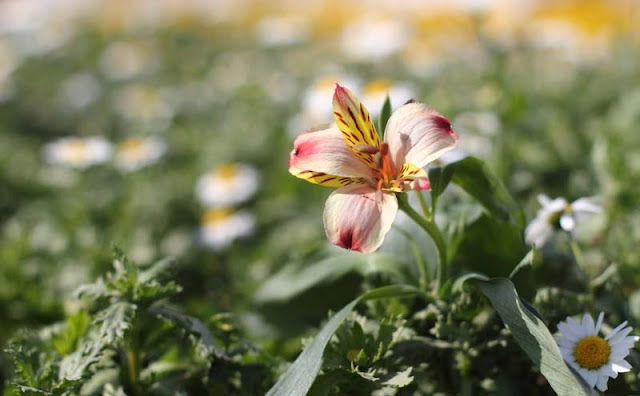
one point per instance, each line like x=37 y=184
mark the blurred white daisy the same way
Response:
x=314 y=100
x=79 y=90
x=135 y=153
x=79 y=153
x=596 y=359
x=275 y=31
x=221 y=226
x=316 y=108
x=145 y=105
x=125 y=60
x=227 y=185
x=558 y=215
x=371 y=39
x=375 y=92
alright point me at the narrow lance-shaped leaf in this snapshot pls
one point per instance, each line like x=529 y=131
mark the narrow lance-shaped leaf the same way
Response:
x=385 y=113
x=533 y=337
x=302 y=373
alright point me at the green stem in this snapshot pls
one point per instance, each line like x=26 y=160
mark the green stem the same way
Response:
x=432 y=229
x=133 y=358
x=423 y=205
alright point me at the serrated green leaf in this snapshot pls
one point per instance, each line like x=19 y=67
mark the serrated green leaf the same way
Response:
x=385 y=113
x=115 y=320
x=193 y=326
x=300 y=376
x=533 y=337
x=400 y=379
x=77 y=365
x=475 y=177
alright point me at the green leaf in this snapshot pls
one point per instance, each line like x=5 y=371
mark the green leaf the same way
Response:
x=439 y=179
x=77 y=365
x=115 y=319
x=486 y=244
x=475 y=177
x=77 y=326
x=533 y=337
x=385 y=113
x=294 y=279
x=522 y=275
x=300 y=376
x=193 y=326
x=400 y=379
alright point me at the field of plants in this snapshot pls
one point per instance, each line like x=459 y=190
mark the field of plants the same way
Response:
x=319 y=198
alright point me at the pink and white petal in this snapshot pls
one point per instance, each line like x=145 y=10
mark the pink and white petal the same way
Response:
x=327 y=152
x=418 y=134
x=358 y=217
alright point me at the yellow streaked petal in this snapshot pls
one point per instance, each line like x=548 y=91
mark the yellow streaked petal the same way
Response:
x=325 y=179
x=412 y=177
x=354 y=122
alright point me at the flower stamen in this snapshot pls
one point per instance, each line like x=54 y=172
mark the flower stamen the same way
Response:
x=592 y=352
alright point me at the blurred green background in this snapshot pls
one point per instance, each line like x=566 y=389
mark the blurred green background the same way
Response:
x=185 y=113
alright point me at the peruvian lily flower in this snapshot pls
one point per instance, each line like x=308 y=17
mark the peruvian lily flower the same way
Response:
x=367 y=171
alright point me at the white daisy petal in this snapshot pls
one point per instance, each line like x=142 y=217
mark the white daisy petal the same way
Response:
x=621 y=366
x=601 y=384
x=616 y=330
x=620 y=336
x=588 y=326
x=590 y=376
x=599 y=322
x=572 y=333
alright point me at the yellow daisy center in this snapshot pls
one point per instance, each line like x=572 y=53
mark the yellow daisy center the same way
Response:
x=77 y=150
x=226 y=172
x=131 y=144
x=377 y=86
x=216 y=215
x=592 y=352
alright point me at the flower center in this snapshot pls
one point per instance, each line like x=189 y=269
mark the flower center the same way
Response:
x=77 y=150
x=226 y=172
x=132 y=149
x=216 y=215
x=592 y=352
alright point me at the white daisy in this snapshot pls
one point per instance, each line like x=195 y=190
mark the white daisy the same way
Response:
x=79 y=90
x=375 y=93
x=374 y=38
x=557 y=215
x=125 y=60
x=135 y=153
x=221 y=226
x=276 y=31
x=78 y=153
x=227 y=185
x=596 y=359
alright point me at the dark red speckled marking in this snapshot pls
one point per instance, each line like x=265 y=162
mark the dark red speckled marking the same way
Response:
x=442 y=123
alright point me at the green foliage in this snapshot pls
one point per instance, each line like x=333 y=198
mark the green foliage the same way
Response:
x=533 y=336
x=129 y=319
